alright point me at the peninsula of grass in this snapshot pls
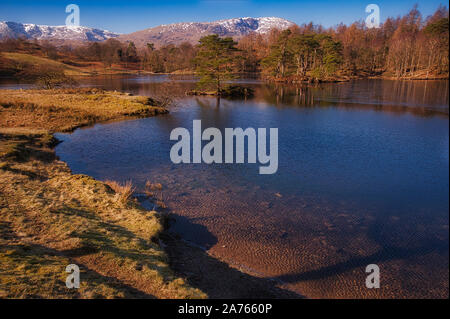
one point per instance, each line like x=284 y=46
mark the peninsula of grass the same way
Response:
x=50 y=218
x=63 y=110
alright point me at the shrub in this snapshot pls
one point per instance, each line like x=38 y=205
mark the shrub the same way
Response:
x=47 y=77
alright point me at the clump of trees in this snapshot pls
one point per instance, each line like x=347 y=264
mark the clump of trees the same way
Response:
x=403 y=47
x=166 y=59
x=418 y=46
x=169 y=58
x=109 y=52
x=315 y=56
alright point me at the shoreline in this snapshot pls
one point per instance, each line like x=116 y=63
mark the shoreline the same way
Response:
x=51 y=218
x=256 y=75
x=28 y=159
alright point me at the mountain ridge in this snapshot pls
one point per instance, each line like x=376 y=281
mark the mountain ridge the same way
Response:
x=177 y=33
x=174 y=33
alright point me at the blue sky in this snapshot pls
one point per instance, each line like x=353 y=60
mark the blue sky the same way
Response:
x=129 y=15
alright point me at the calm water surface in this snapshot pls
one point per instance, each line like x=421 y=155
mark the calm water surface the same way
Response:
x=363 y=179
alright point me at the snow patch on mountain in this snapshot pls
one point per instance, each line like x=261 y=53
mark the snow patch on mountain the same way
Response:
x=230 y=27
x=43 y=32
x=191 y=32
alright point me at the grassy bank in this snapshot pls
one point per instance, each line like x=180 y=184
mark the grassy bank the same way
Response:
x=66 y=109
x=50 y=218
x=13 y=63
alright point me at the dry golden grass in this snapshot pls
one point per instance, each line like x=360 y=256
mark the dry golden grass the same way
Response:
x=19 y=61
x=66 y=109
x=124 y=191
x=23 y=60
x=50 y=218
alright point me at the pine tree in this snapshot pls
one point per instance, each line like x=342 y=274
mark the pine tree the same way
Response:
x=215 y=61
x=131 y=52
x=302 y=48
x=280 y=57
x=332 y=55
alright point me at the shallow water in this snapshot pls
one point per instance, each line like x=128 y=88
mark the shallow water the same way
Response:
x=363 y=179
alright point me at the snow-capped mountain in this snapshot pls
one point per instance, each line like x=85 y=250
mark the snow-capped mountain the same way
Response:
x=193 y=31
x=238 y=26
x=161 y=35
x=44 y=32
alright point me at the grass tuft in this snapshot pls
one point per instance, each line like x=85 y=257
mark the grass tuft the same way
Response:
x=125 y=191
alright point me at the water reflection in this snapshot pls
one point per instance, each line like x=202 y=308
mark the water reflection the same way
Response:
x=419 y=97
x=422 y=98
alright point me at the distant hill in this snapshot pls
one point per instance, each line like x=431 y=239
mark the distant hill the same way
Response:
x=193 y=31
x=62 y=33
x=12 y=62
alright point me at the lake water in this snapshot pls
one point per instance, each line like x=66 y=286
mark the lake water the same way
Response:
x=363 y=179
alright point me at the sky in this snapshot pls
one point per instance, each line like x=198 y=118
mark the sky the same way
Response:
x=127 y=16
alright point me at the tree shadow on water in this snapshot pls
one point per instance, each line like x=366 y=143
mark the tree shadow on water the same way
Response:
x=212 y=276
